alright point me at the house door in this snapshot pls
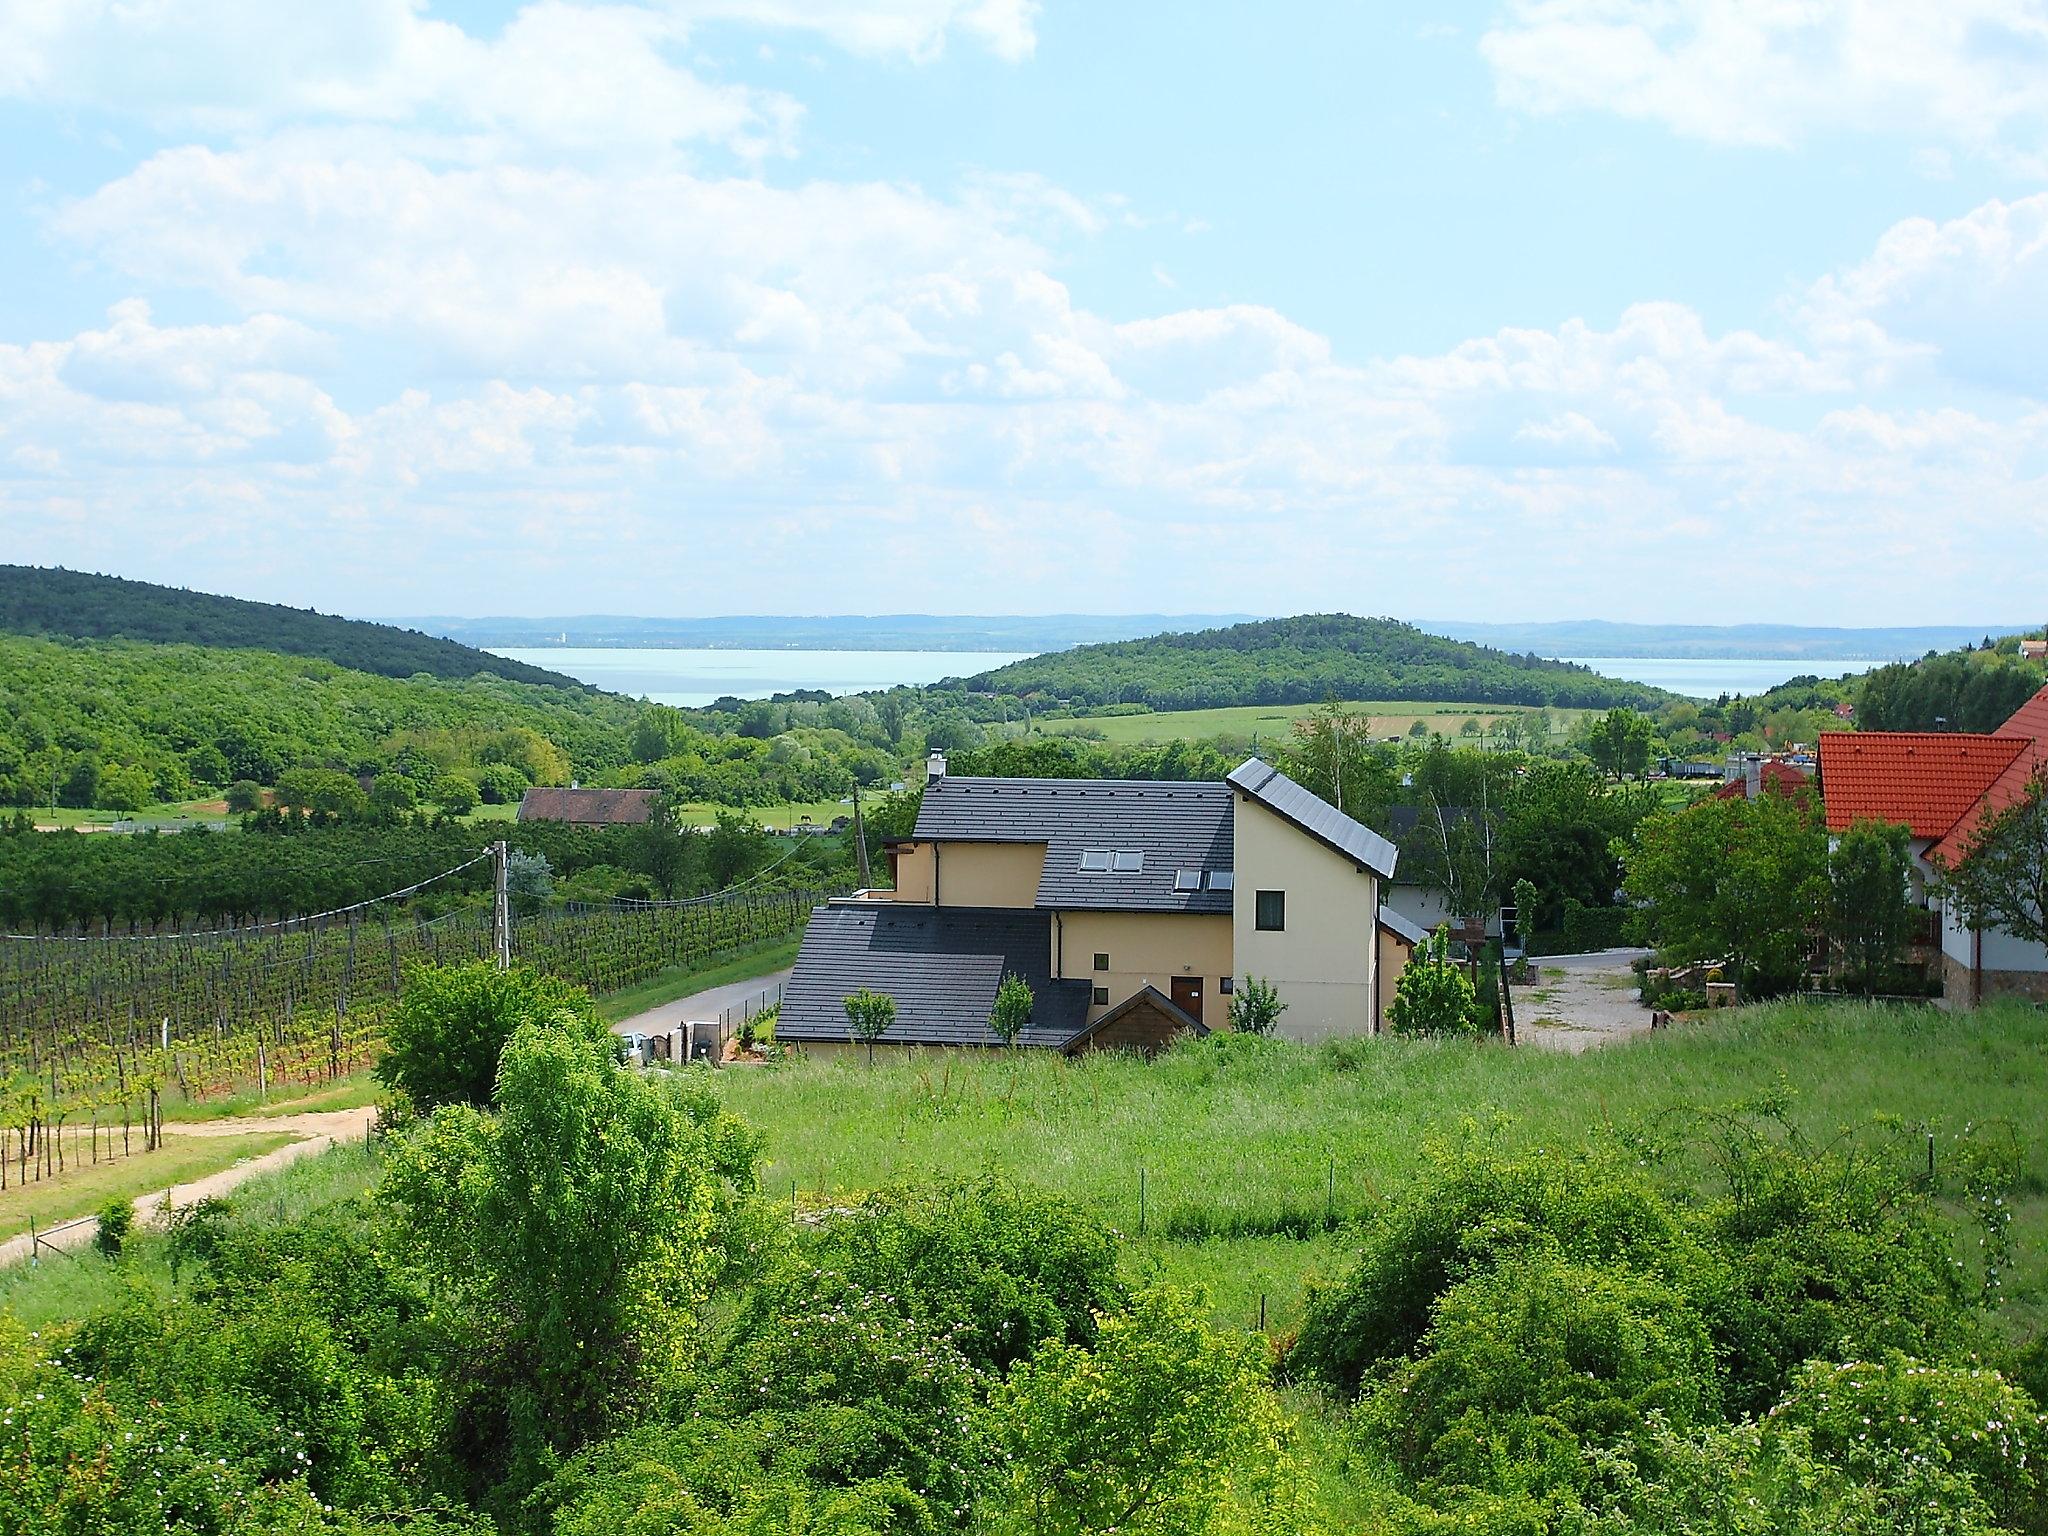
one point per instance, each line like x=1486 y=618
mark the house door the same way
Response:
x=1187 y=996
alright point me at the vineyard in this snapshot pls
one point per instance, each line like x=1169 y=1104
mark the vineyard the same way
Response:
x=96 y=1032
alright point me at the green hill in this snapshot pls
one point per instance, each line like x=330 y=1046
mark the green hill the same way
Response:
x=174 y=720
x=39 y=600
x=1302 y=660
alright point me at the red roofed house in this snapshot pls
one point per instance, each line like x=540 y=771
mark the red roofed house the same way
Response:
x=1939 y=785
x=1765 y=776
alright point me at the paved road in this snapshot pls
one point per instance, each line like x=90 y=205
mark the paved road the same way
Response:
x=708 y=1004
x=318 y=1131
x=1580 y=1001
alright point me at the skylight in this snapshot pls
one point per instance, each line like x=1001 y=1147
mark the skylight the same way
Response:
x=1187 y=879
x=1127 y=861
x=1222 y=879
x=1094 y=861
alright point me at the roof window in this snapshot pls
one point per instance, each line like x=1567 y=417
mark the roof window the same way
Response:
x=1094 y=861
x=1187 y=879
x=1222 y=879
x=1127 y=861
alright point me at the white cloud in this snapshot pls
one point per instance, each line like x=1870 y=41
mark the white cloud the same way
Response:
x=1971 y=291
x=913 y=29
x=1972 y=73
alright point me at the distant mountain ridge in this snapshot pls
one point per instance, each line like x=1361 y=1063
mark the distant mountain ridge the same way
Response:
x=1302 y=661
x=1601 y=637
x=826 y=632
x=52 y=602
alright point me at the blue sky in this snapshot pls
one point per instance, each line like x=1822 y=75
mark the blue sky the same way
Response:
x=1702 y=310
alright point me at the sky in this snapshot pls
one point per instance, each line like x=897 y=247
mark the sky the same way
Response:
x=1682 y=310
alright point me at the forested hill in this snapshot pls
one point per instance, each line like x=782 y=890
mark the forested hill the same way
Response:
x=1302 y=660
x=36 y=600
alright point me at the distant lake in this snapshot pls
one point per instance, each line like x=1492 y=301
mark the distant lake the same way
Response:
x=1708 y=677
x=690 y=679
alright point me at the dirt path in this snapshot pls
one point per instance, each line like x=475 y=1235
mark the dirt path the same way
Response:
x=708 y=1004
x=318 y=1132
x=1580 y=1001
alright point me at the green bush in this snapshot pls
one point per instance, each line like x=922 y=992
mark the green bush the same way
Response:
x=115 y=1218
x=1526 y=1366
x=1590 y=928
x=1433 y=996
x=452 y=1022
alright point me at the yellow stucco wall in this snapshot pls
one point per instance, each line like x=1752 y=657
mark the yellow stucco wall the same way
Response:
x=970 y=874
x=1145 y=949
x=1322 y=963
x=1393 y=961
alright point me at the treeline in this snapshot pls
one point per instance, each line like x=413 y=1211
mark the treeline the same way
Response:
x=1303 y=660
x=1959 y=691
x=77 y=605
x=284 y=867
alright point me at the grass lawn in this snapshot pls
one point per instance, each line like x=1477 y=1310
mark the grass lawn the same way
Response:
x=212 y=809
x=682 y=980
x=295 y=1099
x=81 y=1190
x=1389 y=718
x=1244 y=1151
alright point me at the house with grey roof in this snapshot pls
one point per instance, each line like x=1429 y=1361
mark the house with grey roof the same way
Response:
x=1131 y=908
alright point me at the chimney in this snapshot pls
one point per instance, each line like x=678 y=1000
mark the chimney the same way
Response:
x=934 y=768
x=1752 y=776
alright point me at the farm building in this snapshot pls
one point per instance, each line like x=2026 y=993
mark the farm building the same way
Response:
x=1130 y=909
x=590 y=807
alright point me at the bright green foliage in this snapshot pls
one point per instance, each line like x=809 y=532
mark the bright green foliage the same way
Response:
x=501 y=783
x=115 y=1219
x=574 y=1233
x=1255 y=1006
x=391 y=793
x=320 y=792
x=1869 y=913
x=999 y=1268
x=868 y=1016
x=1528 y=1364
x=452 y=1021
x=1164 y=1426
x=1011 y=1015
x=456 y=794
x=1744 y=880
x=1868 y=1417
x=1434 y=996
x=1619 y=743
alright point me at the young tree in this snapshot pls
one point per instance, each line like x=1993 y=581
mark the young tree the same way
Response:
x=1011 y=1015
x=1434 y=996
x=735 y=846
x=1164 y=1427
x=574 y=1234
x=452 y=1021
x=869 y=1015
x=2002 y=880
x=1869 y=910
x=1619 y=743
x=1255 y=1006
x=457 y=794
x=1742 y=879
x=529 y=881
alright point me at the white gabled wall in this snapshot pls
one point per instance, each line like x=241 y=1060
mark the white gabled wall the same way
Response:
x=1324 y=961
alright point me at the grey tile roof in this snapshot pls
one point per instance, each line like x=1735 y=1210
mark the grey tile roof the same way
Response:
x=1174 y=826
x=942 y=965
x=1395 y=923
x=1315 y=816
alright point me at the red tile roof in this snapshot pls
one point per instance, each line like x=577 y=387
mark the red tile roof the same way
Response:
x=2028 y=728
x=1777 y=779
x=1928 y=780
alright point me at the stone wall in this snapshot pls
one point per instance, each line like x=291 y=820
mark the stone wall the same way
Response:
x=1955 y=984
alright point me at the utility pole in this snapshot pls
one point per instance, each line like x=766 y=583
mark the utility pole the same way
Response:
x=860 y=840
x=501 y=909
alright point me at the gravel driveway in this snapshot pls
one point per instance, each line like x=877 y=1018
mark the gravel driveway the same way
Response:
x=1580 y=1001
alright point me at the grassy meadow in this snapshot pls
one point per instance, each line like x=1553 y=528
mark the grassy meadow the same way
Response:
x=84 y=1188
x=1254 y=1154
x=1389 y=718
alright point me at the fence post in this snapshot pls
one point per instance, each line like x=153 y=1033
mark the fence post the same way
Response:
x=1141 y=1202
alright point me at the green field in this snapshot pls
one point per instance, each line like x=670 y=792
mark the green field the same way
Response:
x=81 y=1190
x=1245 y=1147
x=1270 y=721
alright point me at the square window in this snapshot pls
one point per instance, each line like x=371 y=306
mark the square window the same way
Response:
x=1094 y=861
x=1226 y=985
x=1269 y=914
x=1222 y=879
x=1130 y=861
x=1101 y=996
x=1187 y=879
x=1101 y=961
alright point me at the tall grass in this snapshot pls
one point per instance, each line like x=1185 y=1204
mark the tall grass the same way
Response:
x=1239 y=1138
